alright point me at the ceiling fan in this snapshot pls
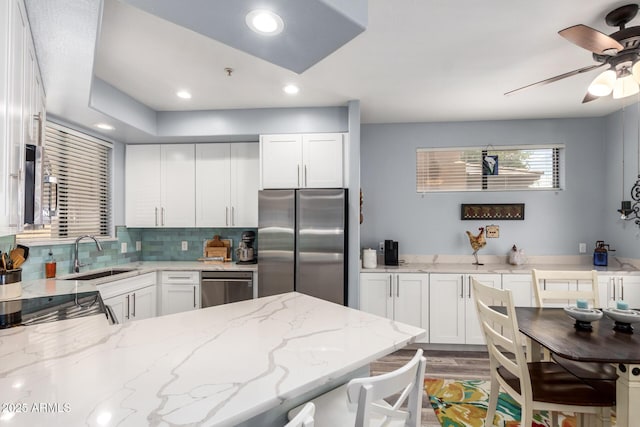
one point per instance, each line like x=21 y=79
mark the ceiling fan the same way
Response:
x=618 y=52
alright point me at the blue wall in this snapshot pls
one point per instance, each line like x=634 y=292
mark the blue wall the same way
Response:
x=556 y=221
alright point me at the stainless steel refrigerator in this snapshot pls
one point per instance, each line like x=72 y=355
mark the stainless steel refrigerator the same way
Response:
x=302 y=243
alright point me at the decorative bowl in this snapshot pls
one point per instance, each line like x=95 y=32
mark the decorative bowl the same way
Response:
x=583 y=316
x=623 y=318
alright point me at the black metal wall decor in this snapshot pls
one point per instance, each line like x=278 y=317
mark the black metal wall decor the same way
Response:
x=504 y=211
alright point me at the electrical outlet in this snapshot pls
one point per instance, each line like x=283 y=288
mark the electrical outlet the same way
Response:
x=185 y=245
x=381 y=247
x=123 y=247
x=582 y=248
x=138 y=245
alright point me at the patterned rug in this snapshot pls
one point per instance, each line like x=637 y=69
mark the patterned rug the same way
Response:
x=464 y=404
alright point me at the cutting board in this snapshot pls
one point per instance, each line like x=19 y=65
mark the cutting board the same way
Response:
x=218 y=247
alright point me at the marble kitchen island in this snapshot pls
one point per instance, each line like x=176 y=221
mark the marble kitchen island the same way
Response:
x=218 y=366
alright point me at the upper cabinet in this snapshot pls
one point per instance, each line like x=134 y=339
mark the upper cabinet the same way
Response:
x=22 y=97
x=160 y=190
x=227 y=185
x=302 y=161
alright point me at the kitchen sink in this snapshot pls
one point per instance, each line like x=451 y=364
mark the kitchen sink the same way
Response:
x=100 y=274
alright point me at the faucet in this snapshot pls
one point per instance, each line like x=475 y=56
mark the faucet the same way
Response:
x=76 y=262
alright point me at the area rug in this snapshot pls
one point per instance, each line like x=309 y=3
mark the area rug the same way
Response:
x=463 y=403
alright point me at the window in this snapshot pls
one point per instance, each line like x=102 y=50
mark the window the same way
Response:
x=489 y=169
x=82 y=165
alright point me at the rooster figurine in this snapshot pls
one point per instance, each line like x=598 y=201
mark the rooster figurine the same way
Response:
x=477 y=242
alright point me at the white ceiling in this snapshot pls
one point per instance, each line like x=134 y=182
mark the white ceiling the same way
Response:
x=417 y=61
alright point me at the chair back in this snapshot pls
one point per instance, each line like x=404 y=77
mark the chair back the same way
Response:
x=304 y=417
x=502 y=336
x=560 y=288
x=407 y=380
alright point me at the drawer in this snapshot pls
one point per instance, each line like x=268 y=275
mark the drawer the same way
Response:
x=118 y=287
x=180 y=277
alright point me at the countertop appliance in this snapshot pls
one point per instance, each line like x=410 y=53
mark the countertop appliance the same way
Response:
x=390 y=252
x=32 y=311
x=223 y=287
x=245 y=253
x=302 y=243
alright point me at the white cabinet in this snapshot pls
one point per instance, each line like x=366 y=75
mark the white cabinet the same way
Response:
x=132 y=298
x=302 y=161
x=402 y=297
x=521 y=287
x=226 y=182
x=21 y=97
x=615 y=288
x=180 y=291
x=160 y=190
x=452 y=312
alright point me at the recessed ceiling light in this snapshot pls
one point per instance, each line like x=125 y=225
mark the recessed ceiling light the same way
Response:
x=104 y=126
x=291 y=89
x=264 y=22
x=183 y=94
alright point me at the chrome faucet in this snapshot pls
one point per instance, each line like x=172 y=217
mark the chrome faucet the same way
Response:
x=76 y=261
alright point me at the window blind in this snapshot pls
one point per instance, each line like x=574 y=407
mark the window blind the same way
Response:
x=82 y=165
x=488 y=169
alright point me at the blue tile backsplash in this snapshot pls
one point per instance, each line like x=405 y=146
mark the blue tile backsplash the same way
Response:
x=158 y=244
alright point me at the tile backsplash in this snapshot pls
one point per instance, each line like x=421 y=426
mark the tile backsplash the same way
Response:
x=157 y=244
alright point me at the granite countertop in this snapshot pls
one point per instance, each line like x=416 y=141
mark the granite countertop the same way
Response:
x=61 y=285
x=215 y=366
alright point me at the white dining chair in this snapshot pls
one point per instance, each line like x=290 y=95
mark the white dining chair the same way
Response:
x=361 y=403
x=536 y=386
x=577 y=285
x=304 y=417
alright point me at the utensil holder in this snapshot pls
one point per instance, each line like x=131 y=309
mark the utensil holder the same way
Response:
x=10 y=284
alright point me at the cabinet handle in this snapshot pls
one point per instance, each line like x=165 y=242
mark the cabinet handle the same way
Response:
x=194 y=297
x=613 y=285
x=226 y=215
x=461 y=287
x=233 y=215
x=156 y=216
x=298 y=175
x=398 y=286
x=134 y=306
x=390 y=286
x=178 y=277
x=305 y=176
x=128 y=307
x=622 y=288
x=469 y=284
x=162 y=216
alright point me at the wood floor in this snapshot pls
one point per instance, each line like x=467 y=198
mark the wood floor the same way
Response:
x=440 y=364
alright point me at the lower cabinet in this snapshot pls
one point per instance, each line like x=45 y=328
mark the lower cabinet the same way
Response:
x=400 y=296
x=521 y=287
x=180 y=291
x=131 y=299
x=452 y=311
x=615 y=288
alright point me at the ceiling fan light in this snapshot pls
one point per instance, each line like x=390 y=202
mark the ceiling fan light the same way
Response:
x=625 y=86
x=603 y=84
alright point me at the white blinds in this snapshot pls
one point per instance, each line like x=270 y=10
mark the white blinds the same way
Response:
x=82 y=165
x=477 y=169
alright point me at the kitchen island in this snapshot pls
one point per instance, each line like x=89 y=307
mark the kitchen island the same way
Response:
x=221 y=365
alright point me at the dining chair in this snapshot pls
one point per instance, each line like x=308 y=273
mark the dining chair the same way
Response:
x=536 y=386
x=304 y=417
x=602 y=375
x=361 y=402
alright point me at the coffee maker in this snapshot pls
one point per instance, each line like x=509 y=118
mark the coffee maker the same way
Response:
x=245 y=253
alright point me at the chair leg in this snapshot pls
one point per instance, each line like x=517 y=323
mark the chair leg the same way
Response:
x=527 y=417
x=493 y=401
x=603 y=417
x=554 y=419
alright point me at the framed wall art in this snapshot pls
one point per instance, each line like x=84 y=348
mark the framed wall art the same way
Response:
x=504 y=211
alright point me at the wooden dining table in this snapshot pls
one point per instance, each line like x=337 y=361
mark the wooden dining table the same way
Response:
x=553 y=329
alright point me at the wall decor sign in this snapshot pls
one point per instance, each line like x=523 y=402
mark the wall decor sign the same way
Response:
x=504 y=211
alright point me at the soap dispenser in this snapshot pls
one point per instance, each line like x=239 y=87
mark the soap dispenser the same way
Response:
x=50 y=266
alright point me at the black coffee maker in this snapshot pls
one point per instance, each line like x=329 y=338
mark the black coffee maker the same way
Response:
x=245 y=253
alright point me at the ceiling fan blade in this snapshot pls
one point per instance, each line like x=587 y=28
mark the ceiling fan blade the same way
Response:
x=592 y=40
x=588 y=98
x=558 y=77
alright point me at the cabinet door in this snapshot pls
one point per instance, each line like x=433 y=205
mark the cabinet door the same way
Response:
x=119 y=307
x=521 y=287
x=376 y=294
x=281 y=161
x=245 y=180
x=179 y=298
x=178 y=192
x=630 y=290
x=409 y=293
x=212 y=185
x=322 y=160
x=473 y=330
x=5 y=203
x=142 y=190
x=446 y=309
x=143 y=303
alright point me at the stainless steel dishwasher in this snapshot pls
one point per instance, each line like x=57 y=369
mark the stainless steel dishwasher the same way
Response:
x=222 y=287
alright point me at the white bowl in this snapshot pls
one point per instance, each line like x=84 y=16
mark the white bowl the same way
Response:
x=583 y=314
x=623 y=316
